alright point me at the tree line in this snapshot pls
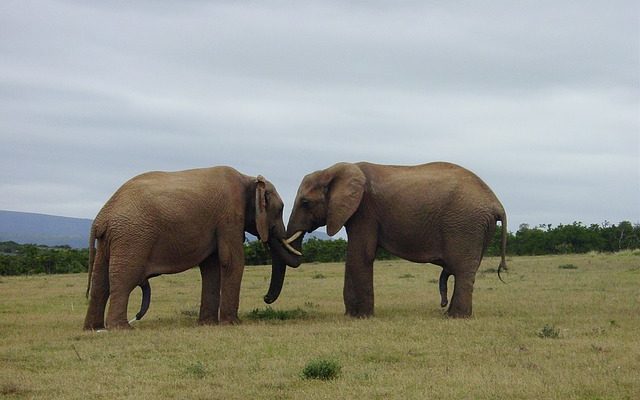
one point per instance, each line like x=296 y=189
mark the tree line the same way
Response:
x=17 y=259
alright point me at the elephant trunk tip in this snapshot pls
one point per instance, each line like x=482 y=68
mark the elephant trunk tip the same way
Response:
x=268 y=299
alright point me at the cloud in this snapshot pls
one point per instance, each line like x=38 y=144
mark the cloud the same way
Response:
x=539 y=98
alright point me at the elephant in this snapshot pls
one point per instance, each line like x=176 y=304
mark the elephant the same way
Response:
x=167 y=222
x=438 y=213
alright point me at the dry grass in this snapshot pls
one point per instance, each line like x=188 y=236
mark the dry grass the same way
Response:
x=407 y=351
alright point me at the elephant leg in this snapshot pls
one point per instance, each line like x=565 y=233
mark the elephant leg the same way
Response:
x=122 y=281
x=210 y=299
x=358 y=277
x=231 y=258
x=99 y=294
x=461 y=301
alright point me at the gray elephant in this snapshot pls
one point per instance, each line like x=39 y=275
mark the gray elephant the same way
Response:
x=167 y=222
x=436 y=213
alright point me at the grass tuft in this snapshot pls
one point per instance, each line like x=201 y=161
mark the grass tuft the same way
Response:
x=196 y=370
x=269 y=313
x=406 y=276
x=320 y=368
x=549 y=332
x=567 y=266
x=318 y=276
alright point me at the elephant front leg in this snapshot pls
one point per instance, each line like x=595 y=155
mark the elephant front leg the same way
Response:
x=358 y=278
x=210 y=300
x=231 y=258
x=461 y=301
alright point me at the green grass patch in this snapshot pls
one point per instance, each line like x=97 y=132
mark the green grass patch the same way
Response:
x=269 y=313
x=321 y=368
x=549 y=332
x=196 y=370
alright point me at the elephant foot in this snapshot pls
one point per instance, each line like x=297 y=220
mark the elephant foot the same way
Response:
x=119 y=326
x=360 y=315
x=207 y=321
x=359 y=312
x=232 y=321
x=458 y=313
x=93 y=326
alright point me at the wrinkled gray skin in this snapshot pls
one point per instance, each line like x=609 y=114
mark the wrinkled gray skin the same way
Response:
x=436 y=213
x=167 y=222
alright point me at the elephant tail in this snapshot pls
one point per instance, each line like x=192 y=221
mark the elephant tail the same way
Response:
x=503 y=261
x=97 y=231
x=92 y=255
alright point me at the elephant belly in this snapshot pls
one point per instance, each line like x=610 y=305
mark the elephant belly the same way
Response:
x=412 y=239
x=415 y=249
x=169 y=256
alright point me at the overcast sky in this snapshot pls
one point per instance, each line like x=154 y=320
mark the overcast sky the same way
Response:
x=541 y=98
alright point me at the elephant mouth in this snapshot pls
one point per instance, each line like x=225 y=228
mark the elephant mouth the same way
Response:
x=295 y=241
x=284 y=252
x=287 y=243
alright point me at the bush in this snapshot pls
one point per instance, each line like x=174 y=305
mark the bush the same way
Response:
x=323 y=369
x=197 y=370
x=549 y=332
x=270 y=314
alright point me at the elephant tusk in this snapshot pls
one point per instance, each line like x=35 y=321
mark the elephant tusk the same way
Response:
x=294 y=237
x=290 y=248
x=132 y=321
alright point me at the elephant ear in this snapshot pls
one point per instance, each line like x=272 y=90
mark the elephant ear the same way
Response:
x=345 y=192
x=262 y=222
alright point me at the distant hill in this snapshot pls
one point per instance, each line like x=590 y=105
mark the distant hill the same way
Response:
x=52 y=230
x=48 y=230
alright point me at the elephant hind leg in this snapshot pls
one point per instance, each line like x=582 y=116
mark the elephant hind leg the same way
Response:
x=461 y=301
x=123 y=278
x=99 y=294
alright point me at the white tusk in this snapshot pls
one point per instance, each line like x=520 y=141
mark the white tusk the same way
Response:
x=290 y=248
x=294 y=237
x=132 y=321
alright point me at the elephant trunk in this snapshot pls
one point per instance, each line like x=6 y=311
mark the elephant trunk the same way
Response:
x=280 y=258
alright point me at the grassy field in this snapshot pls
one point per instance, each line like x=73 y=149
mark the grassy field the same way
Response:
x=564 y=327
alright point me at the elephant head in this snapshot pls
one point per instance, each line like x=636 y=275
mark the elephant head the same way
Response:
x=328 y=197
x=267 y=224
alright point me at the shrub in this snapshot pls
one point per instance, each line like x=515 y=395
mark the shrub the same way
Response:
x=321 y=368
x=269 y=313
x=549 y=332
x=197 y=370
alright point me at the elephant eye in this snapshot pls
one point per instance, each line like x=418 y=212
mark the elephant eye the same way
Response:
x=304 y=203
